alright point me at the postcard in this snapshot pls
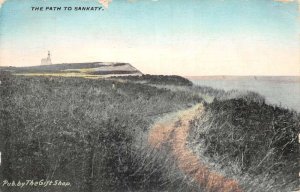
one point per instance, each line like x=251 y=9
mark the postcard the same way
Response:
x=149 y=95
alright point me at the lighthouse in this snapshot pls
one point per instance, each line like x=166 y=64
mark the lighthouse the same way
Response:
x=46 y=61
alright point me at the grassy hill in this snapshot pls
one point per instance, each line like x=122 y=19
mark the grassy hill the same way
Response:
x=92 y=134
x=254 y=142
x=88 y=70
x=83 y=131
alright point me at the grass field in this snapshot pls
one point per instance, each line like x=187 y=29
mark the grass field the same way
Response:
x=93 y=70
x=81 y=130
x=92 y=134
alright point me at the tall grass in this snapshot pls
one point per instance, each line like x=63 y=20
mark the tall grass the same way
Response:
x=159 y=79
x=90 y=133
x=252 y=139
x=83 y=131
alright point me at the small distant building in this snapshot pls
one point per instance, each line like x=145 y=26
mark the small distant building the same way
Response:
x=46 y=61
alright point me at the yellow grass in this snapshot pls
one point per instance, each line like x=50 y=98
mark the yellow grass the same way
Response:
x=61 y=75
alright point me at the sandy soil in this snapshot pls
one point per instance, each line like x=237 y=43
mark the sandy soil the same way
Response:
x=173 y=130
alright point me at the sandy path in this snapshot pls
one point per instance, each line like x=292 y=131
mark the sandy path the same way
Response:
x=173 y=131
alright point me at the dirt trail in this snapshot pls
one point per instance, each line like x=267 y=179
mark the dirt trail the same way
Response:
x=173 y=131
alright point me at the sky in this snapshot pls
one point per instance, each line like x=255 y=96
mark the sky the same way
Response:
x=189 y=38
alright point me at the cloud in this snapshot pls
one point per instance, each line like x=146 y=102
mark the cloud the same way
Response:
x=105 y=3
x=284 y=1
x=1 y=2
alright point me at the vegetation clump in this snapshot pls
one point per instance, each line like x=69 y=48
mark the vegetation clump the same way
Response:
x=258 y=139
x=160 y=79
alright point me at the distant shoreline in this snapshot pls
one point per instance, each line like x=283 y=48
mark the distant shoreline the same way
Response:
x=266 y=78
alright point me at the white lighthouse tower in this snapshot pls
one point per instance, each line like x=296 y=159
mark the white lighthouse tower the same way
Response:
x=46 y=61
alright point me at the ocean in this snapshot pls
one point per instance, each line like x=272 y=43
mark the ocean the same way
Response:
x=282 y=91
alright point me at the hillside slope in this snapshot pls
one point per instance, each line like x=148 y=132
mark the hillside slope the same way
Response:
x=94 y=69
